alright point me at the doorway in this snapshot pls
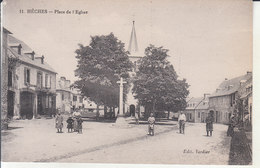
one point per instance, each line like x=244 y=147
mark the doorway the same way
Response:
x=132 y=110
x=26 y=105
x=10 y=104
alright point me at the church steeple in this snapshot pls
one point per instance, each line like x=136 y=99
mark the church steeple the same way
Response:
x=133 y=47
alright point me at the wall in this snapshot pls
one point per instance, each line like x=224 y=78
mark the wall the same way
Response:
x=33 y=77
x=222 y=108
x=63 y=105
x=4 y=77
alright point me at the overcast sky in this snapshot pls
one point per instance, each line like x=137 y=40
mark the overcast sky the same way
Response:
x=209 y=40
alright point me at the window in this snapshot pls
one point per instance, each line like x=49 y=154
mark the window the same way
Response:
x=74 y=98
x=39 y=80
x=80 y=99
x=26 y=76
x=198 y=114
x=46 y=80
x=50 y=81
x=62 y=96
x=10 y=78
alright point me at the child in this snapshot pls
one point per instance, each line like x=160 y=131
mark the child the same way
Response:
x=70 y=124
x=80 y=121
x=151 y=121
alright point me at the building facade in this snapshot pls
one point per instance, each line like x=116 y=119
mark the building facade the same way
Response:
x=223 y=101
x=4 y=73
x=63 y=95
x=31 y=82
x=197 y=109
x=69 y=98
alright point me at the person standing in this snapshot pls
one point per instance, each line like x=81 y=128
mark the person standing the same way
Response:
x=70 y=124
x=136 y=118
x=209 y=124
x=231 y=125
x=76 y=116
x=59 y=123
x=181 y=121
x=151 y=122
x=80 y=121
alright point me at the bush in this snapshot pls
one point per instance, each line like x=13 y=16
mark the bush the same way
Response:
x=4 y=123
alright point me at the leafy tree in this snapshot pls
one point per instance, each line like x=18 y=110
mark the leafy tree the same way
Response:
x=100 y=66
x=156 y=84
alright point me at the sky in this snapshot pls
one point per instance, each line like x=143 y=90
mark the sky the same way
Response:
x=208 y=40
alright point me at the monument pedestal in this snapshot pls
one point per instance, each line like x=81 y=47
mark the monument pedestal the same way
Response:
x=121 y=122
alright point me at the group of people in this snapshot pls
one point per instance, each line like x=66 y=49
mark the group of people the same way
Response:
x=181 y=122
x=74 y=123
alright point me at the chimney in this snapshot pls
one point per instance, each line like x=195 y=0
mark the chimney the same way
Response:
x=31 y=54
x=19 y=48
x=248 y=72
x=206 y=95
x=42 y=59
x=226 y=79
x=218 y=89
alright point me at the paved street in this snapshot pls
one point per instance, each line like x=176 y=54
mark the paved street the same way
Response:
x=105 y=143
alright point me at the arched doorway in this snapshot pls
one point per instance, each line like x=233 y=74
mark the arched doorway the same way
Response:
x=132 y=110
x=26 y=110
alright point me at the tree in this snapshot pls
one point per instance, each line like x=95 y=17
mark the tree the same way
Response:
x=156 y=84
x=100 y=66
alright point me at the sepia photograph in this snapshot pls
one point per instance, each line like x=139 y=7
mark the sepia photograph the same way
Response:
x=166 y=82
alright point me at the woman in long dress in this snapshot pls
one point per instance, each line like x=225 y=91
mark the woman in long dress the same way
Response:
x=59 y=123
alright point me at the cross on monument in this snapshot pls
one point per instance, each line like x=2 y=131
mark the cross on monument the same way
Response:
x=121 y=102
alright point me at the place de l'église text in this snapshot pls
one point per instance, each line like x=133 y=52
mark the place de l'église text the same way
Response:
x=55 y=11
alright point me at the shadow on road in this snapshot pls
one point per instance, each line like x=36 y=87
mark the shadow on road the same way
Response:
x=12 y=128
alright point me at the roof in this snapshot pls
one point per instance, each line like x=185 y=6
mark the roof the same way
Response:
x=26 y=59
x=199 y=103
x=6 y=31
x=228 y=87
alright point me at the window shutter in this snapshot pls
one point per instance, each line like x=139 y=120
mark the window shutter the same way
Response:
x=29 y=80
x=25 y=76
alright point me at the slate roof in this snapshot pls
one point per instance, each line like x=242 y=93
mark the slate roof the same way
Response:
x=25 y=58
x=228 y=87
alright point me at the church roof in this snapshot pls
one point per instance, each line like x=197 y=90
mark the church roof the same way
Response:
x=133 y=45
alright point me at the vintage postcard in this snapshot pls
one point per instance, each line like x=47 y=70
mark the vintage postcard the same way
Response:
x=165 y=82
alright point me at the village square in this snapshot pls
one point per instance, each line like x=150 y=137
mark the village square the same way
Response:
x=126 y=104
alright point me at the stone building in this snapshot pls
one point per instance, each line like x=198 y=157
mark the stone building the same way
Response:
x=63 y=95
x=246 y=97
x=197 y=109
x=222 y=101
x=69 y=98
x=4 y=73
x=31 y=82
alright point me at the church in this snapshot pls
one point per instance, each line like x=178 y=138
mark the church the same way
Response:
x=131 y=105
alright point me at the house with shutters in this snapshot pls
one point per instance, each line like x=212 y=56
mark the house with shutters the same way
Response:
x=222 y=102
x=31 y=82
x=197 y=109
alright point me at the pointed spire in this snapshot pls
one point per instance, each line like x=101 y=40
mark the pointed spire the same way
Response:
x=133 y=47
